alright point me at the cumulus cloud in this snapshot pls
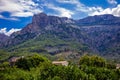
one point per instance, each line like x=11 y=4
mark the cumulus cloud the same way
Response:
x=91 y=11
x=26 y=8
x=81 y=7
x=114 y=11
x=19 y=8
x=112 y=1
x=8 y=33
x=62 y=12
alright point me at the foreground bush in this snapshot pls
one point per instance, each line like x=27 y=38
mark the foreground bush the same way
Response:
x=37 y=67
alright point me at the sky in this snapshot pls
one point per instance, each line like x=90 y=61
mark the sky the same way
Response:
x=16 y=14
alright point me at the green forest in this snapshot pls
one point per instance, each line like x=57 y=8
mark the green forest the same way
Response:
x=38 y=67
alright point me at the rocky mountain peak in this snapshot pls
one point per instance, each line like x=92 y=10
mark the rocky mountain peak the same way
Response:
x=40 y=19
x=44 y=20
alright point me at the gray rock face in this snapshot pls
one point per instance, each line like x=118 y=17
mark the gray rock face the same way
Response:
x=44 y=20
x=3 y=40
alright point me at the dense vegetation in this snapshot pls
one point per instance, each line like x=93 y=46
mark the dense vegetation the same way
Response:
x=37 y=67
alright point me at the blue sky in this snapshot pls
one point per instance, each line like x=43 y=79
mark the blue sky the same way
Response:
x=15 y=14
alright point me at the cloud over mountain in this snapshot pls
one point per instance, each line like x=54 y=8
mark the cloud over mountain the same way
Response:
x=8 y=33
x=114 y=11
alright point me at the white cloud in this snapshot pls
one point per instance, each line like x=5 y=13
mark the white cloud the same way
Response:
x=6 y=18
x=69 y=1
x=112 y=1
x=91 y=11
x=22 y=14
x=62 y=12
x=8 y=33
x=19 y=8
x=79 y=7
x=26 y=8
x=114 y=11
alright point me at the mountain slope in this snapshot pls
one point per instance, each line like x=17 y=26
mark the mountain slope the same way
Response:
x=52 y=34
x=3 y=39
x=105 y=39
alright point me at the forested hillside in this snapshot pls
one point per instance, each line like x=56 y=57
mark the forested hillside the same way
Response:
x=37 y=67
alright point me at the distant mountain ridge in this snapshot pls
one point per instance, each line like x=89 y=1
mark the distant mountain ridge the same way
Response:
x=106 y=19
x=99 y=33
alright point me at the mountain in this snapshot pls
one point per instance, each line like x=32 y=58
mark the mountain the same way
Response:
x=3 y=39
x=106 y=19
x=40 y=24
x=52 y=34
x=47 y=34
